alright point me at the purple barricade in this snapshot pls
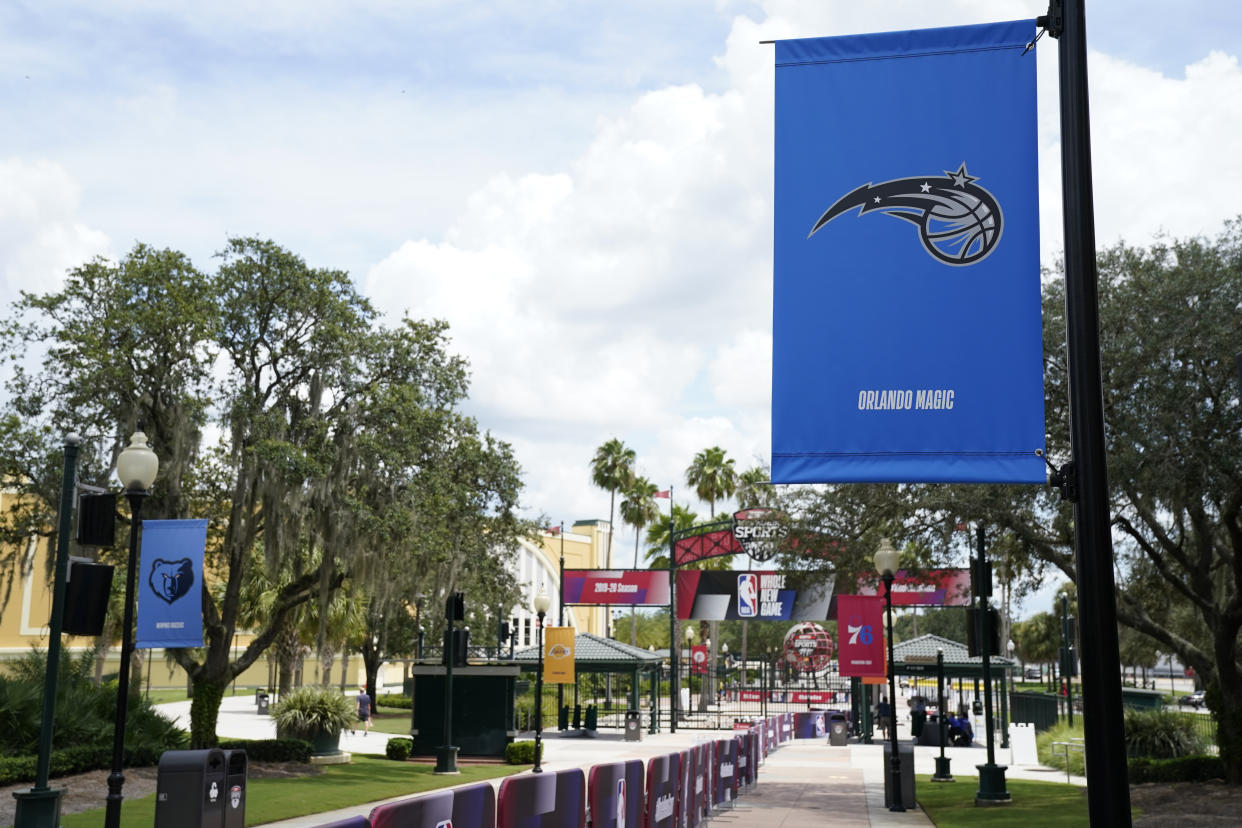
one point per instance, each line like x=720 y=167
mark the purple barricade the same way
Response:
x=774 y=730
x=810 y=725
x=742 y=771
x=685 y=792
x=786 y=727
x=615 y=795
x=553 y=799
x=725 y=789
x=664 y=781
x=473 y=806
x=700 y=800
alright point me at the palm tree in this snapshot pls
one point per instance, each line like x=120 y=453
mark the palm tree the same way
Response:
x=754 y=488
x=612 y=469
x=712 y=477
x=638 y=509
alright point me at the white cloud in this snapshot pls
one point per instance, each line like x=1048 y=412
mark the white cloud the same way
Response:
x=587 y=201
x=41 y=233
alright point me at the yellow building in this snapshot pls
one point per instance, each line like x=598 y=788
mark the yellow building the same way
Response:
x=24 y=618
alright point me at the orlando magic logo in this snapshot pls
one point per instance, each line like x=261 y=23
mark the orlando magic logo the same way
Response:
x=170 y=580
x=959 y=222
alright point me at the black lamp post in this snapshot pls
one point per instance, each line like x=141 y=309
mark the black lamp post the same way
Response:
x=136 y=468
x=942 y=763
x=446 y=754
x=886 y=564
x=40 y=806
x=542 y=602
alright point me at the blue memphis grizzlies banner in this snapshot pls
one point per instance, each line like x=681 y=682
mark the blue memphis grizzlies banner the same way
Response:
x=906 y=313
x=170 y=584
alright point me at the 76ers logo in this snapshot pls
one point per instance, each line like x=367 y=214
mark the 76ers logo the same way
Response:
x=959 y=222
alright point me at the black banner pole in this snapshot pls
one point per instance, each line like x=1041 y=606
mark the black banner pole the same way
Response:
x=673 y=648
x=1108 y=791
x=560 y=616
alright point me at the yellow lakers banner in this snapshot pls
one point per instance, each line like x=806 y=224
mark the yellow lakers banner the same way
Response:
x=558 y=655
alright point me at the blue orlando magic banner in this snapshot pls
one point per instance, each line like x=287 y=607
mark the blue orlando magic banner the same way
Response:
x=170 y=584
x=906 y=324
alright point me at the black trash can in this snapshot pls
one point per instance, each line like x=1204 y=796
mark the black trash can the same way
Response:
x=905 y=755
x=260 y=702
x=237 y=766
x=190 y=789
x=838 y=730
x=633 y=726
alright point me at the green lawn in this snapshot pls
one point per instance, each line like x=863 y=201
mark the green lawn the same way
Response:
x=366 y=779
x=1043 y=804
x=160 y=695
x=391 y=720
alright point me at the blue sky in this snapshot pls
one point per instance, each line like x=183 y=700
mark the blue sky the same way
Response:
x=583 y=189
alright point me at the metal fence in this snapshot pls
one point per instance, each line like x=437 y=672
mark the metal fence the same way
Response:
x=1204 y=725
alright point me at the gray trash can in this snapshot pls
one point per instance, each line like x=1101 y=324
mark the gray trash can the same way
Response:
x=190 y=789
x=260 y=702
x=838 y=730
x=633 y=726
x=905 y=754
x=237 y=764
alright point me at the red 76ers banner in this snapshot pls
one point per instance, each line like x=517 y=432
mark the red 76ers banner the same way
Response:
x=860 y=630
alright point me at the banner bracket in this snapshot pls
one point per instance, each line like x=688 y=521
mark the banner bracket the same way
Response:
x=1053 y=22
x=1062 y=478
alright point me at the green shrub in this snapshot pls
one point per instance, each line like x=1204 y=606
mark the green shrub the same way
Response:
x=1062 y=732
x=520 y=753
x=270 y=750
x=1158 y=734
x=394 y=700
x=399 y=749
x=80 y=759
x=1201 y=768
x=84 y=711
x=309 y=711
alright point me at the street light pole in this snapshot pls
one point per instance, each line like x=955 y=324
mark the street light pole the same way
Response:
x=886 y=559
x=40 y=806
x=542 y=602
x=136 y=467
x=943 y=773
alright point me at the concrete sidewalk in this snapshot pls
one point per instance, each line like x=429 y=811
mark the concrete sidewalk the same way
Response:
x=806 y=782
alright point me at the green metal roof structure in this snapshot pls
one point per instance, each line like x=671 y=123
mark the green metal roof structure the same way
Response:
x=595 y=654
x=918 y=657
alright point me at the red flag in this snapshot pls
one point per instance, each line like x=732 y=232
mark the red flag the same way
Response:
x=664 y=494
x=553 y=530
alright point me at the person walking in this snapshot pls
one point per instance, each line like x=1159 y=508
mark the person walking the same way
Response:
x=364 y=710
x=883 y=715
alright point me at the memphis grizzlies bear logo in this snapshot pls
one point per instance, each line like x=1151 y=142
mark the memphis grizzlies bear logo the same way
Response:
x=959 y=222
x=171 y=579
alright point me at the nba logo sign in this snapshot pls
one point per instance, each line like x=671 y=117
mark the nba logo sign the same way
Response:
x=445 y=823
x=620 y=803
x=747 y=595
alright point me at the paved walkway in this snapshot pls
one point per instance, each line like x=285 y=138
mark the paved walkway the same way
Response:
x=805 y=783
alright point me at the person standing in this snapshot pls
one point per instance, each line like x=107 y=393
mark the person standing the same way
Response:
x=364 y=710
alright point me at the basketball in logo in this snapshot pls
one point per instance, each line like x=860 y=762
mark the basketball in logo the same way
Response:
x=809 y=647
